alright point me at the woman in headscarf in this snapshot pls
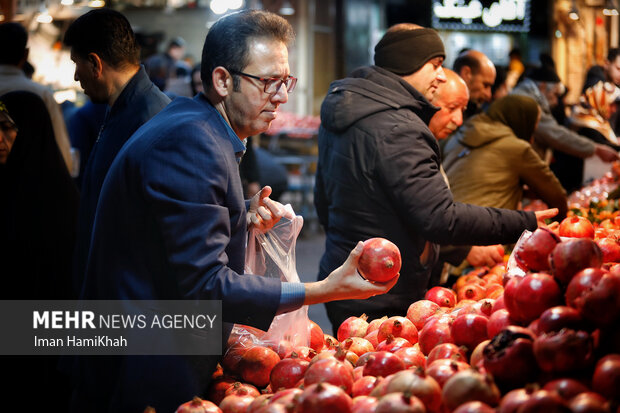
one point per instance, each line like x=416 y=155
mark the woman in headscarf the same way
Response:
x=38 y=214
x=489 y=160
x=39 y=203
x=591 y=119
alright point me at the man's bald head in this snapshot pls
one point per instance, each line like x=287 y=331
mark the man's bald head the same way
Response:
x=452 y=97
x=479 y=74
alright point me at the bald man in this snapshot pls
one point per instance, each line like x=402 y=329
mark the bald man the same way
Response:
x=451 y=98
x=479 y=73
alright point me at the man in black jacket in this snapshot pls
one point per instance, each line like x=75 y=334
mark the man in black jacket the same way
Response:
x=378 y=172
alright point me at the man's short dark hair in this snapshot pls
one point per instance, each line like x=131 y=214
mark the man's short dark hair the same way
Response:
x=13 y=40
x=466 y=59
x=106 y=33
x=613 y=54
x=227 y=43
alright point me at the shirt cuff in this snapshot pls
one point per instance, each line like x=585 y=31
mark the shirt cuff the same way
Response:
x=292 y=297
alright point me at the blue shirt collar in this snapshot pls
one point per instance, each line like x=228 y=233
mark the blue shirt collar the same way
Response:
x=237 y=144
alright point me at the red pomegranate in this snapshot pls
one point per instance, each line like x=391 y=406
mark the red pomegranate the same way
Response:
x=570 y=257
x=563 y=351
x=256 y=365
x=474 y=407
x=435 y=332
x=415 y=383
x=469 y=330
x=287 y=373
x=566 y=388
x=477 y=355
x=543 y=401
x=324 y=398
x=197 y=405
x=467 y=386
x=441 y=370
x=527 y=298
x=353 y=327
x=422 y=310
x=235 y=403
x=606 y=378
x=375 y=324
x=317 y=337
x=217 y=389
x=474 y=292
x=301 y=352
x=498 y=321
x=364 y=385
x=534 y=252
x=596 y=295
x=382 y=363
x=398 y=327
x=364 y=404
x=588 y=402
x=242 y=389
x=557 y=318
x=447 y=351
x=576 y=227
x=399 y=403
x=258 y=403
x=499 y=303
x=442 y=296
x=393 y=344
x=286 y=396
x=330 y=341
x=330 y=370
x=372 y=338
x=233 y=355
x=484 y=307
x=512 y=400
x=610 y=247
x=380 y=260
x=412 y=357
x=358 y=345
x=509 y=357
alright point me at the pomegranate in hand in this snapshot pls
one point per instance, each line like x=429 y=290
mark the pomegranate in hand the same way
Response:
x=380 y=260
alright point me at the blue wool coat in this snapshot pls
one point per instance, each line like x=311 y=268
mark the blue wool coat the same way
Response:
x=171 y=224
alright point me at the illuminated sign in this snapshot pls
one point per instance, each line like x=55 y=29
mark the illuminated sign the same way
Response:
x=480 y=15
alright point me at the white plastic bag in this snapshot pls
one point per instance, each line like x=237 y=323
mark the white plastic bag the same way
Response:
x=513 y=269
x=272 y=254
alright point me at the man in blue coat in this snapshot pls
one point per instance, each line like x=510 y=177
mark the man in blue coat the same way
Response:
x=171 y=221
x=107 y=65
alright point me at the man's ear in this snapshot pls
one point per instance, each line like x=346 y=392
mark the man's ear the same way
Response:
x=466 y=73
x=96 y=64
x=24 y=58
x=222 y=81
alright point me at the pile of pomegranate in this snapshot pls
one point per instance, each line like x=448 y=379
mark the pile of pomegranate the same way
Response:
x=548 y=341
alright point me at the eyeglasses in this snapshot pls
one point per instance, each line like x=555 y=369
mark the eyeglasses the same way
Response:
x=272 y=84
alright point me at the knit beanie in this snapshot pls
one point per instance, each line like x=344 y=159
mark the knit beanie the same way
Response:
x=405 y=52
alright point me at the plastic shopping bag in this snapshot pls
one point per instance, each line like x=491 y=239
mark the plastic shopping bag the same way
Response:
x=272 y=254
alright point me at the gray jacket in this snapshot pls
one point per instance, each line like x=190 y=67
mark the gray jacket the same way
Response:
x=550 y=134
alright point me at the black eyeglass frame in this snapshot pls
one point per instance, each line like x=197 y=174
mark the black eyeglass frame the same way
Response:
x=266 y=81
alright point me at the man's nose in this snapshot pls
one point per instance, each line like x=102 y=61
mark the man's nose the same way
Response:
x=281 y=95
x=441 y=75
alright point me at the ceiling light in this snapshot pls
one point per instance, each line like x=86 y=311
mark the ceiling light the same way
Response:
x=287 y=9
x=573 y=14
x=610 y=8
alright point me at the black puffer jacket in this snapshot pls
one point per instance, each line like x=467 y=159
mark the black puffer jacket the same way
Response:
x=378 y=176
